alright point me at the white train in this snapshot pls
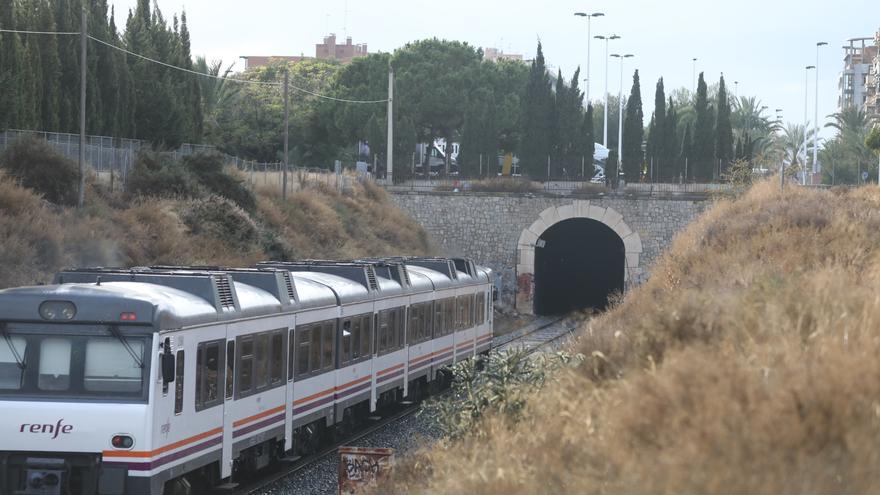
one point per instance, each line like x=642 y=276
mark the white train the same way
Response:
x=167 y=380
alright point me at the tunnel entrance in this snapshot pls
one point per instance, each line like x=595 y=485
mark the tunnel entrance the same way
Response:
x=579 y=262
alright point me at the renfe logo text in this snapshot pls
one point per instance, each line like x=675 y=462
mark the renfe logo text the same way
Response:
x=54 y=430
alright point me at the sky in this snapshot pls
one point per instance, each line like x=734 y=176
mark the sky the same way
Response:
x=764 y=45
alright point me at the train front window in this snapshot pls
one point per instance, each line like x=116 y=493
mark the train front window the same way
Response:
x=65 y=366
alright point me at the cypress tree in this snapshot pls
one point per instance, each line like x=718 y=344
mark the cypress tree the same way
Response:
x=684 y=156
x=633 y=133
x=670 y=143
x=10 y=63
x=657 y=146
x=587 y=142
x=703 y=151
x=723 y=129
x=537 y=118
x=50 y=69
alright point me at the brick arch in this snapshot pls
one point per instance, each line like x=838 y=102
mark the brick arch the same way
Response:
x=525 y=268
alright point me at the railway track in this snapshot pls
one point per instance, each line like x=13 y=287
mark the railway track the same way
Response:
x=540 y=333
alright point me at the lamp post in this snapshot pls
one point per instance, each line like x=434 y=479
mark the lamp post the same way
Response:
x=588 y=16
x=806 y=123
x=736 y=91
x=694 y=77
x=782 y=159
x=816 y=116
x=620 y=114
x=605 y=126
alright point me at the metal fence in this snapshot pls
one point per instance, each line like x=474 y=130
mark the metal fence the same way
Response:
x=562 y=186
x=112 y=159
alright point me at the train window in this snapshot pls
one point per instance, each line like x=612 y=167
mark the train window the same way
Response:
x=439 y=312
x=400 y=323
x=230 y=368
x=178 y=382
x=276 y=364
x=261 y=361
x=366 y=335
x=426 y=321
x=450 y=321
x=109 y=368
x=246 y=366
x=54 y=364
x=303 y=347
x=315 y=352
x=329 y=331
x=345 y=343
x=382 y=332
x=11 y=352
x=208 y=367
x=480 y=305
x=291 y=351
x=414 y=329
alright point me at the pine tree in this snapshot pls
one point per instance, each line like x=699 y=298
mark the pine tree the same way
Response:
x=633 y=133
x=723 y=129
x=703 y=150
x=537 y=118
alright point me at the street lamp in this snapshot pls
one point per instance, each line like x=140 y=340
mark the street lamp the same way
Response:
x=605 y=127
x=694 y=77
x=620 y=114
x=816 y=118
x=736 y=91
x=806 y=123
x=588 y=16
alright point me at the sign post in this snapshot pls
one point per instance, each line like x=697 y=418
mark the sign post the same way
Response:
x=361 y=467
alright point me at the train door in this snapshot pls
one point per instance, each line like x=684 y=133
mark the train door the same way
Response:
x=228 y=409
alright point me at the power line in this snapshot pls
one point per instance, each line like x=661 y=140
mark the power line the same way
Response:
x=17 y=31
x=231 y=79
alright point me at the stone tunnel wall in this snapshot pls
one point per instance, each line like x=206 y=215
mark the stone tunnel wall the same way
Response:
x=488 y=227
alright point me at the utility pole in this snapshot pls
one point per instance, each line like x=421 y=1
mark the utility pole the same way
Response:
x=286 y=134
x=816 y=117
x=389 y=165
x=806 y=122
x=83 y=38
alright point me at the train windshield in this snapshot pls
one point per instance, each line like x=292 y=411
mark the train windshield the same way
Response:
x=61 y=366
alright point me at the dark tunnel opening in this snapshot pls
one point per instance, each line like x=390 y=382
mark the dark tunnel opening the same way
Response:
x=579 y=262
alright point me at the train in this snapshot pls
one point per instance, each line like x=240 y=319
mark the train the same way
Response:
x=169 y=380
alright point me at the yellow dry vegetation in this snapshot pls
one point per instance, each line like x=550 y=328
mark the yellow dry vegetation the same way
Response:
x=38 y=238
x=748 y=363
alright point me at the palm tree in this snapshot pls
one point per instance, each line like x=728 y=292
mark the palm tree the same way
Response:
x=791 y=142
x=850 y=151
x=748 y=118
x=216 y=90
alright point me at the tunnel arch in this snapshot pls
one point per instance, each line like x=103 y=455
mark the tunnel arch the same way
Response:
x=590 y=214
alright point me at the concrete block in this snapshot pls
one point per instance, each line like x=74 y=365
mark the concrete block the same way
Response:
x=538 y=227
x=612 y=217
x=526 y=256
x=582 y=207
x=632 y=260
x=622 y=230
x=566 y=211
x=632 y=243
x=521 y=268
x=550 y=216
x=596 y=212
x=527 y=238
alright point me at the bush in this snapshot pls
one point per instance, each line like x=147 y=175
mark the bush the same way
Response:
x=36 y=165
x=222 y=220
x=159 y=176
x=208 y=170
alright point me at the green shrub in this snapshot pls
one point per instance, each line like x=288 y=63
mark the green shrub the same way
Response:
x=158 y=175
x=36 y=165
x=208 y=170
x=221 y=219
x=502 y=385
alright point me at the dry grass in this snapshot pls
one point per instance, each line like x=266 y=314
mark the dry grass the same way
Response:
x=38 y=238
x=746 y=364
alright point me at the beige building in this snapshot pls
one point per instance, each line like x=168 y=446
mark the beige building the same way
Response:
x=328 y=50
x=494 y=54
x=872 y=81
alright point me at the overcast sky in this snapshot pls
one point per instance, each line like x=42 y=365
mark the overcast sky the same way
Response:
x=762 y=44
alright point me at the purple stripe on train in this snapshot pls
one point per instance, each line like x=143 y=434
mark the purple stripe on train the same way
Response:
x=258 y=425
x=148 y=466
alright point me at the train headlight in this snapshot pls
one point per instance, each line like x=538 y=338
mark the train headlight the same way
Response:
x=122 y=442
x=57 y=310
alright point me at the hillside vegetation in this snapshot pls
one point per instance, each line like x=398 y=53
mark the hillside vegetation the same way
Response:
x=748 y=363
x=190 y=212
